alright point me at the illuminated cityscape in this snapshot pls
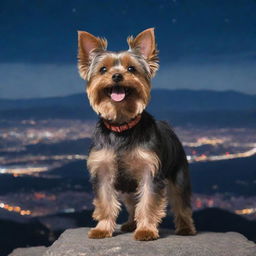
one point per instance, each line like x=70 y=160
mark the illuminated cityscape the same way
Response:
x=37 y=148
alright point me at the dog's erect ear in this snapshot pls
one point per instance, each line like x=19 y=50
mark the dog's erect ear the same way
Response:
x=145 y=44
x=87 y=45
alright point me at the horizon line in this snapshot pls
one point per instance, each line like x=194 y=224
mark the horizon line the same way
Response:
x=153 y=89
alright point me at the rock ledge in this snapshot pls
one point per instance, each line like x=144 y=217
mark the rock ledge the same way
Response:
x=74 y=242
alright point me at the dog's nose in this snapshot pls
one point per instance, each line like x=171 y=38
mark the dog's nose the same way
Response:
x=117 y=77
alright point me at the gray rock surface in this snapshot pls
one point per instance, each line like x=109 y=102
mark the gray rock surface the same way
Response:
x=32 y=251
x=74 y=242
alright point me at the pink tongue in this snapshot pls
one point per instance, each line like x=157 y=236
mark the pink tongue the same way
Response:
x=117 y=96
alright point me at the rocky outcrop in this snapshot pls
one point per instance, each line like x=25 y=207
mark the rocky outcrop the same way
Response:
x=32 y=251
x=74 y=242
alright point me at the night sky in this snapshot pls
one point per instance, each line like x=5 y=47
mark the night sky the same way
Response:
x=209 y=44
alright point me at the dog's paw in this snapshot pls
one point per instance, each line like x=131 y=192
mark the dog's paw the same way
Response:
x=189 y=231
x=146 y=234
x=99 y=233
x=128 y=226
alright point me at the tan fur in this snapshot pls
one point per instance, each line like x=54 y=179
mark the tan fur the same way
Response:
x=118 y=112
x=96 y=233
x=182 y=215
x=152 y=58
x=150 y=209
x=102 y=161
x=129 y=60
x=129 y=201
x=103 y=164
x=85 y=53
x=146 y=234
x=139 y=161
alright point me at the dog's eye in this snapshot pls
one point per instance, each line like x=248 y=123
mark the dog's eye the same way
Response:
x=103 y=70
x=131 y=69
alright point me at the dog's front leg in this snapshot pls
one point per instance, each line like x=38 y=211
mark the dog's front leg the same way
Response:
x=150 y=209
x=102 y=166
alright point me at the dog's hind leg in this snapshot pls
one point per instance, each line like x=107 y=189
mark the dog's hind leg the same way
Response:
x=178 y=194
x=129 y=201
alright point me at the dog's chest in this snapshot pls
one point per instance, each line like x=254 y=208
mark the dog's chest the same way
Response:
x=125 y=167
x=125 y=178
x=132 y=166
x=125 y=183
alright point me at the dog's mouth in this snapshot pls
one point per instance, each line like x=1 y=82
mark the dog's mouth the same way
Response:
x=118 y=93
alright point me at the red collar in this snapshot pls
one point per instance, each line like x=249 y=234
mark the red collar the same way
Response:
x=123 y=127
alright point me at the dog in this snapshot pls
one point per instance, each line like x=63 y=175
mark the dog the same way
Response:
x=134 y=158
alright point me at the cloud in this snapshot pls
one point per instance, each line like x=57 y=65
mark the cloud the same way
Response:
x=20 y=80
x=238 y=76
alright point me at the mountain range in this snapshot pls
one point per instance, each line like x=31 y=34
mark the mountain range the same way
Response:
x=34 y=233
x=181 y=107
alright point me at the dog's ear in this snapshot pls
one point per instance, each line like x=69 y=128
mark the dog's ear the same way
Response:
x=144 y=43
x=88 y=44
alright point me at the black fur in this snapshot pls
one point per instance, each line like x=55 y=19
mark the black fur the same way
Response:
x=155 y=136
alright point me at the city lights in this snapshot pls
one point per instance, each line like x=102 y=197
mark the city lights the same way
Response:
x=36 y=148
x=21 y=171
x=17 y=209
x=246 y=211
x=204 y=141
x=225 y=156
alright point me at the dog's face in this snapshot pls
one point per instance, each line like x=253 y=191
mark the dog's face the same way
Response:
x=118 y=82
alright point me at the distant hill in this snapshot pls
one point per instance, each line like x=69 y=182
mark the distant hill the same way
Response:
x=69 y=101
x=14 y=234
x=201 y=100
x=181 y=107
x=33 y=233
x=209 y=219
x=161 y=99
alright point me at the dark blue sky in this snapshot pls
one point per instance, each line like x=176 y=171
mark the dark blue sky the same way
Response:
x=203 y=44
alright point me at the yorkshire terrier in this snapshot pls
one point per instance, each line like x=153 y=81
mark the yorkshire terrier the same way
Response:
x=133 y=157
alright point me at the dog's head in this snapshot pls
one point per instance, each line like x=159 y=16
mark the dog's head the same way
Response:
x=118 y=82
